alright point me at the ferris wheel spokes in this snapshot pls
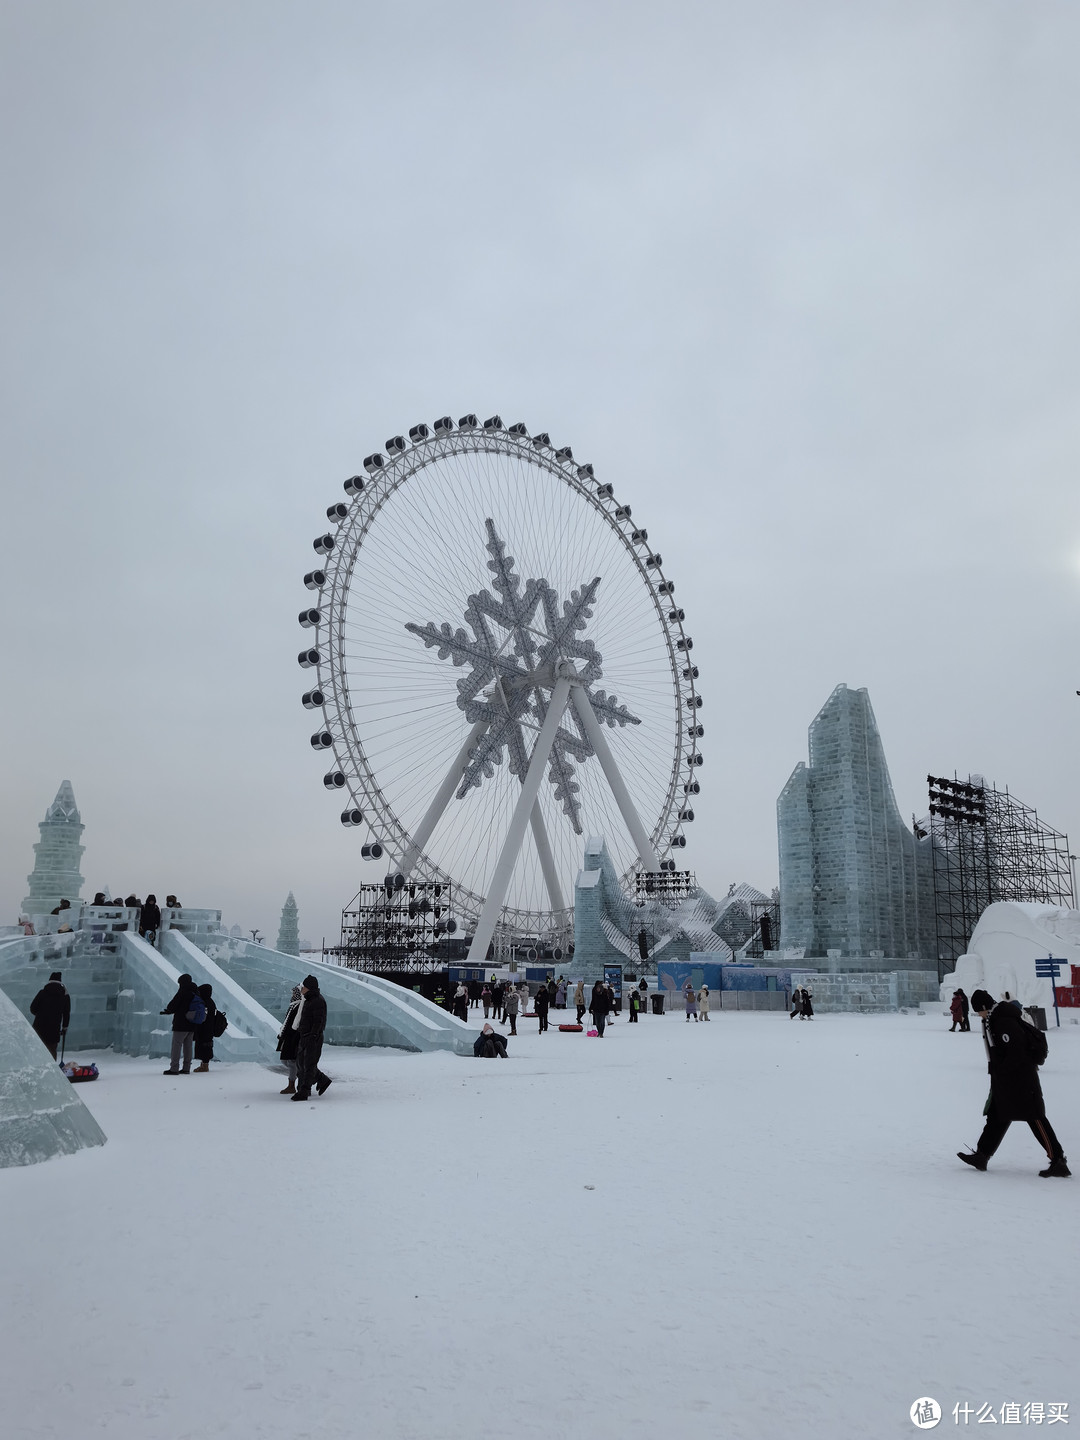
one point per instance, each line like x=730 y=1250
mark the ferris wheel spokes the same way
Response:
x=595 y=731
x=426 y=828
x=526 y=802
x=547 y=859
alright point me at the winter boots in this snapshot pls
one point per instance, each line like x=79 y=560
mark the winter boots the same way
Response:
x=323 y=1085
x=290 y=1088
x=1056 y=1167
x=203 y=1068
x=975 y=1160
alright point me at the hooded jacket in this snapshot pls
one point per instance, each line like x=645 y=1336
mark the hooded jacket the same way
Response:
x=313 y=1014
x=1012 y=1049
x=51 y=1009
x=179 y=1005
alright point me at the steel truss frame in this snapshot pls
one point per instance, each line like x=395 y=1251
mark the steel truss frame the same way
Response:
x=987 y=846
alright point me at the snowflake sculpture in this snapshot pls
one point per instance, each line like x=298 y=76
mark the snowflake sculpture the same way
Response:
x=517 y=643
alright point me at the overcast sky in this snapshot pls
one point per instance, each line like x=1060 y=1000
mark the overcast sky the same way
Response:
x=799 y=278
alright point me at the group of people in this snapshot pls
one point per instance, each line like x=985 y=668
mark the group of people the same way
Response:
x=300 y=1040
x=196 y=1023
x=802 y=1003
x=695 y=1004
x=149 y=917
x=959 y=1009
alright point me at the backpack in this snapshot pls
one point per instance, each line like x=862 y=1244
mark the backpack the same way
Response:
x=196 y=1011
x=1035 y=1040
x=221 y=1022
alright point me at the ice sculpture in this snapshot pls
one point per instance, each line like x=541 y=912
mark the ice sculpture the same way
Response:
x=56 y=856
x=41 y=1114
x=288 y=938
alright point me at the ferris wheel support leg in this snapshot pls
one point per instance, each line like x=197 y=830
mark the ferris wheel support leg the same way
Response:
x=504 y=867
x=547 y=860
x=595 y=733
x=426 y=828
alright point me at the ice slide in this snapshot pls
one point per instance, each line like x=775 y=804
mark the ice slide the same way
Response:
x=360 y=1009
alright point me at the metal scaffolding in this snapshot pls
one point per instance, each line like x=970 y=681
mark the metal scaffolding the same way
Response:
x=406 y=930
x=987 y=846
x=765 y=918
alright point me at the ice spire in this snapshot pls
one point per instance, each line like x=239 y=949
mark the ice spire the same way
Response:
x=55 y=876
x=288 y=939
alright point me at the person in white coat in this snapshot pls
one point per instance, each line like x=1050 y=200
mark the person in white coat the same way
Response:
x=703 y=1002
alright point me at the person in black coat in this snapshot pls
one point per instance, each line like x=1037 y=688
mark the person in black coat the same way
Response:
x=204 y=1033
x=150 y=919
x=51 y=1009
x=599 y=1006
x=288 y=1040
x=540 y=1005
x=183 y=1029
x=1014 y=1052
x=489 y=1045
x=310 y=1023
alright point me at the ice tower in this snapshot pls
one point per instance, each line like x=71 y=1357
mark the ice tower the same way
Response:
x=853 y=878
x=288 y=935
x=56 y=856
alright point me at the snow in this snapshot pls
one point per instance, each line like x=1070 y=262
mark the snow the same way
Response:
x=752 y=1228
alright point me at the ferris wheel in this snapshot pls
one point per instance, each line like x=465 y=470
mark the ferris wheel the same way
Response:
x=501 y=668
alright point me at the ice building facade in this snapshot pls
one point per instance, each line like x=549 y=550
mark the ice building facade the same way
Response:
x=855 y=883
x=55 y=875
x=608 y=922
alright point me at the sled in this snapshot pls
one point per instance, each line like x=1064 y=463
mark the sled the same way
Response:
x=579 y=1028
x=75 y=1073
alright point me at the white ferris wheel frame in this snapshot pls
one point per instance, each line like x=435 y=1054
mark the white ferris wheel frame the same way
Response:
x=341 y=550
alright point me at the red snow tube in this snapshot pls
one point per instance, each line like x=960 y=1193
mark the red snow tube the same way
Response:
x=75 y=1073
x=570 y=1027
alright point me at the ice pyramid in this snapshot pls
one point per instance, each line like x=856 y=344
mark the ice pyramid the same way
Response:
x=41 y=1114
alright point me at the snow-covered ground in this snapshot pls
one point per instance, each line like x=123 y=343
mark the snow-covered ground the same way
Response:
x=752 y=1228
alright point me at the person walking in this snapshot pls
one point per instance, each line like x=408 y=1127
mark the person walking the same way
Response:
x=956 y=1010
x=51 y=1009
x=204 y=1032
x=150 y=920
x=965 y=1024
x=542 y=1002
x=498 y=990
x=461 y=1002
x=553 y=991
x=599 y=1006
x=485 y=996
x=807 y=1010
x=512 y=1008
x=187 y=1010
x=796 y=1002
x=288 y=1039
x=703 y=1002
x=560 y=994
x=1014 y=1052
x=690 y=1001
x=579 y=1000
x=634 y=1005
x=310 y=1024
